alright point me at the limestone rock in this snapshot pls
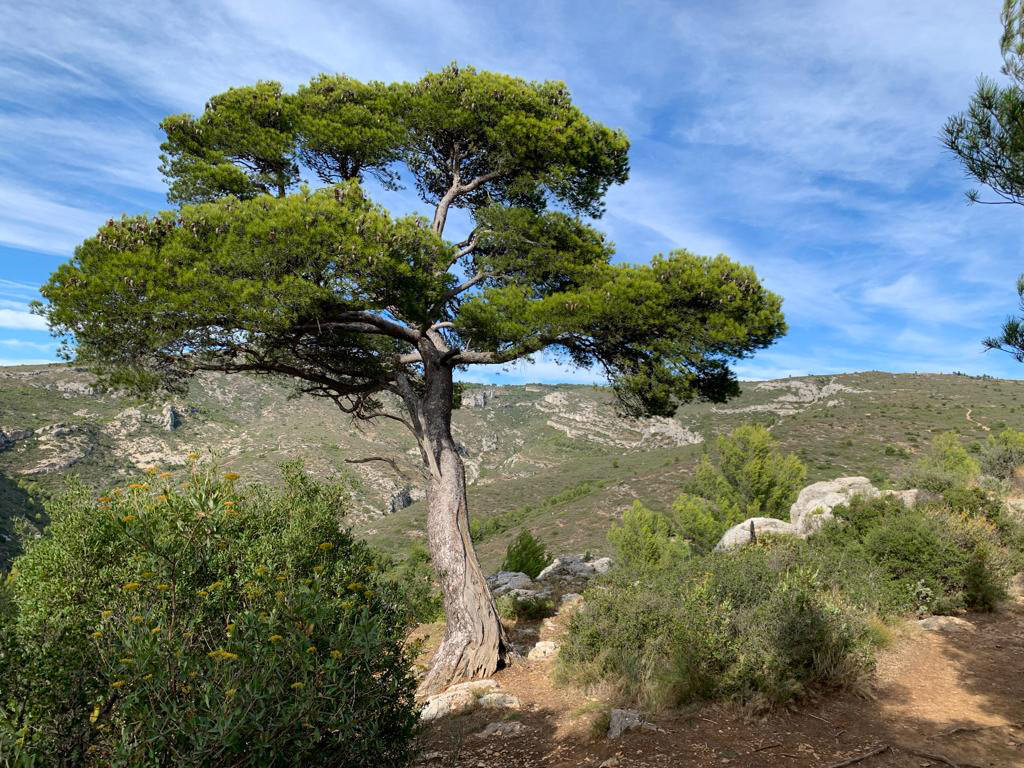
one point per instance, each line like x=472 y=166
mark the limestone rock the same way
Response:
x=909 y=497
x=170 y=417
x=400 y=499
x=622 y=720
x=498 y=700
x=945 y=624
x=545 y=649
x=506 y=728
x=457 y=699
x=813 y=507
x=570 y=600
x=504 y=582
x=574 y=567
x=479 y=399
x=739 y=535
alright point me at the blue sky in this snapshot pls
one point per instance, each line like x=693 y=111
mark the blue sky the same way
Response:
x=799 y=137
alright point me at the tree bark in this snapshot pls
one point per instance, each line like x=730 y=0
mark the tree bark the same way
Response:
x=475 y=643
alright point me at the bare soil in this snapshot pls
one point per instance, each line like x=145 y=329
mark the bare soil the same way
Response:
x=952 y=698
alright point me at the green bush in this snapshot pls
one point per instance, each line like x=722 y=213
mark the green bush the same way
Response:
x=203 y=626
x=946 y=465
x=528 y=608
x=413 y=577
x=698 y=521
x=747 y=475
x=750 y=625
x=644 y=541
x=526 y=555
x=1003 y=453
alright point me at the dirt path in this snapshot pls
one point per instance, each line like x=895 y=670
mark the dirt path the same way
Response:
x=976 y=423
x=954 y=697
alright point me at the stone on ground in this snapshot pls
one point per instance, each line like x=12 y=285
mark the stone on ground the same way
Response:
x=545 y=649
x=622 y=720
x=945 y=624
x=739 y=535
x=506 y=581
x=456 y=700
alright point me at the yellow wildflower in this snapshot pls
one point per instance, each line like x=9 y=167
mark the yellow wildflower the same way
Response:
x=165 y=475
x=155 y=631
x=137 y=486
x=221 y=655
x=163 y=587
x=192 y=456
x=106 y=614
x=95 y=714
x=136 y=619
x=275 y=638
x=162 y=497
x=96 y=634
x=327 y=545
x=318 y=569
x=230 y=692
x=117 y=491
x=311 y=649
x=335 y=654
x=104 y=499
x=203 y=593
x=118 y=683
x=279 y=595
x=148 y=574
x=262 y=570
x=128 y=518
x=125 y=660
x=131 y=585
x=188 y=635
x=148 y=677
x=231 y=476
x=151 y=470
x=297 y=686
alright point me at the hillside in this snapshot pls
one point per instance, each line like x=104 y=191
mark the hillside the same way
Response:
x=554 y=458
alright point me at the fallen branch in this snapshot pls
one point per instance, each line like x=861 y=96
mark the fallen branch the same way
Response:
x=766 y=746
x=961 y=729
x=858 y=758
x=937 y=758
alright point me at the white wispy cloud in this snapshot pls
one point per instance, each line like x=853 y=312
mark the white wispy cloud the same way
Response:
x=21 y=320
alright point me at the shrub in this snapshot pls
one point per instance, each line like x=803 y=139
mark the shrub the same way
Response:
x=204 y=626
x=528 y=608
x=748 y=625
x=1003 y=453
x=946 y=465
x=413 y=577
x=697 y=521
x=748 y=476
x=644 y=542
x=526 y=555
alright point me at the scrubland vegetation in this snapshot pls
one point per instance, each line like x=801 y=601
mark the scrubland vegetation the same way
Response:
x=194 y=623
x=674 y=622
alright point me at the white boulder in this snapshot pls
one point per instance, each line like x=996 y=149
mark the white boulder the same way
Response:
x=457 y=699
x=545 y=649
x=945 y=623
x=740 y=534
x=813 y=507
x=507 y=581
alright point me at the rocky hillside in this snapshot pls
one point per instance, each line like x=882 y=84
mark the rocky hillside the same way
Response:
x=556 y=459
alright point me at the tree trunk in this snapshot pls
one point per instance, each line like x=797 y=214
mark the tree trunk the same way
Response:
x=475 y=643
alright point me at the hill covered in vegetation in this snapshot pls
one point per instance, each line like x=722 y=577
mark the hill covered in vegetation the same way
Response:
x=554 y=458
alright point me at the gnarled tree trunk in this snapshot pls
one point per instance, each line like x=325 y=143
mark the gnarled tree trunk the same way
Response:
x=475 y=644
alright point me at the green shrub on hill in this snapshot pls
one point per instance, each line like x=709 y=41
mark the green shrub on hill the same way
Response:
x=526 y=555
x=698 y=521
x=1003 y=453
x=644 y=541
x=945 y=465
x=767 y=622
x=529 y=608
x=199 y=625
x=747 y=475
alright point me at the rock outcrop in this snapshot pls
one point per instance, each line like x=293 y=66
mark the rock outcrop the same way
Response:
x=566 y=567
x=813 y=507
x=744 y=533
x=503 y=582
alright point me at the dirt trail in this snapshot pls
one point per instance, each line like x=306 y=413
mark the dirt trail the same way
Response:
x=954 y=697
x=976 y=423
